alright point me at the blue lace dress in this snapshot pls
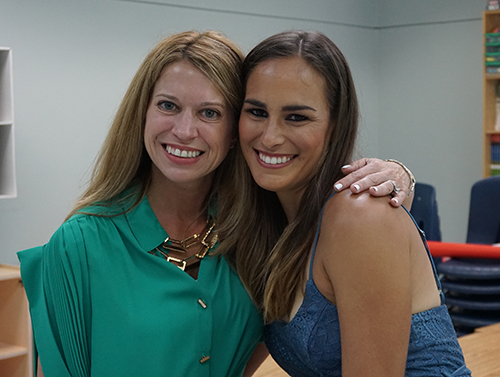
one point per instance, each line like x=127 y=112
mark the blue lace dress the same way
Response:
x=310 y=345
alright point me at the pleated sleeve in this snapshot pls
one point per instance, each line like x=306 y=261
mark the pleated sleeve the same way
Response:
x=56 y=279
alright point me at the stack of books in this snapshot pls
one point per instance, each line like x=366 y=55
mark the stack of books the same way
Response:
x=495 y=154
x=492 y=56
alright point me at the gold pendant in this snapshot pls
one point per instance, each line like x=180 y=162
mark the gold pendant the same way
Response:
x=182 y=262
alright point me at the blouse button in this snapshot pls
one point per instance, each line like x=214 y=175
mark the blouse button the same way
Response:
x=204 y=359
x=202 y=303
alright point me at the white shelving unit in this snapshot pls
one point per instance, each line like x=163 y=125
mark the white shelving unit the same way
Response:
x=15 y=326
x=8 y=187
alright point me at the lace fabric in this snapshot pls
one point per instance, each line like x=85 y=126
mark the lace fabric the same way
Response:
x=310 y=344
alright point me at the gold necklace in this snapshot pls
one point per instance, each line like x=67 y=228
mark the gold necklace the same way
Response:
x=181 y=246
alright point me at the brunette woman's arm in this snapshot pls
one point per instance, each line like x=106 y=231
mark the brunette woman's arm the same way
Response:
x=364 y=249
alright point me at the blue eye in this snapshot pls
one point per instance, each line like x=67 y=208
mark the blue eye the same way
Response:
x=167 y=105
x=210 y=113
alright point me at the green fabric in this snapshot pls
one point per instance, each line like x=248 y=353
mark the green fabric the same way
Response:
x=102 y=306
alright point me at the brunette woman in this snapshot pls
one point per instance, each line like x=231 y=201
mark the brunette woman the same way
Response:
x=345 y=282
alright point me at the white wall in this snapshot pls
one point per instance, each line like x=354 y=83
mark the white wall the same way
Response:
x=430 y=98
x=74 y=59
x=417 y=66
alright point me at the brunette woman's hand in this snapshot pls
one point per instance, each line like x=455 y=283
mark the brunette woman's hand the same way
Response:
x=380 y=178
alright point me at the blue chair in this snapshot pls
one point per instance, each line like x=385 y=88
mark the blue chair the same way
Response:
x=484 y=214
x=424 y=210
x=472 y=286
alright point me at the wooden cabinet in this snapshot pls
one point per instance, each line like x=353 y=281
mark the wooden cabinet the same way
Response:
x=15 y=326
x=8 y=187
x=491 y=93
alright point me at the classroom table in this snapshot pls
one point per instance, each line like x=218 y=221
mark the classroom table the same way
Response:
x=481 y=351
x=269 y=368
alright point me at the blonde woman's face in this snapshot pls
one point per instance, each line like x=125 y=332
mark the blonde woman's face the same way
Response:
x=188 y=126
x=284 y=124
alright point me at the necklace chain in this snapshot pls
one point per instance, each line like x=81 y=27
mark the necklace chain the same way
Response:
x=182 y=246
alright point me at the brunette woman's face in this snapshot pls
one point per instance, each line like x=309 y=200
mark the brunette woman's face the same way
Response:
x=284 y=124
x=188 y=126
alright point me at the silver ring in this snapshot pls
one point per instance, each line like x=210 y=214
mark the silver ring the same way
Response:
x=395 y=189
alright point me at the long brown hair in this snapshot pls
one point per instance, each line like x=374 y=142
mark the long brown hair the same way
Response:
x=123 y=161
x=270 y=255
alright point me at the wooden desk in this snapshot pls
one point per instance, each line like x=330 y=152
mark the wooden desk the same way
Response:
x=481 y=351
x=269 y=368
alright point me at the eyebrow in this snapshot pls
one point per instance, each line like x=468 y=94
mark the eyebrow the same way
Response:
x=220 y=104
x=297 y=108
x=206 y=103
x=167 y=96
x=255 y=102
x=258 y=103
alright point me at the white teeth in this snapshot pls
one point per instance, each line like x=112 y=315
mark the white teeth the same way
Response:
x=184 y=154
x=274 y=160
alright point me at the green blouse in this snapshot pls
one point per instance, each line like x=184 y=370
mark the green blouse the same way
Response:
x=102 y=306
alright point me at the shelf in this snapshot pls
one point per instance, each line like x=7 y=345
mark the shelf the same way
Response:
x=9 y=272
x=8 y=351
x=491 y=105
x=6 y=92
x=8 y=187
x=16 y=358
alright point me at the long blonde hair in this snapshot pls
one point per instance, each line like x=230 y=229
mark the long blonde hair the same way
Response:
x=270 y=255
x=123 y=161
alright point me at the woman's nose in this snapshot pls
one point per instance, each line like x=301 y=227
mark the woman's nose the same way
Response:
x=272 y=134
x=185 y=126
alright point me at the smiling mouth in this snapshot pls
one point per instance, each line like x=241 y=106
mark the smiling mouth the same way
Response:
x=274 y=160
x=180 y=152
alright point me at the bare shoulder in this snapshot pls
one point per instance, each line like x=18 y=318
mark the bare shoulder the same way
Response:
x=352 y=212
x=363 y=241
x=363 y=227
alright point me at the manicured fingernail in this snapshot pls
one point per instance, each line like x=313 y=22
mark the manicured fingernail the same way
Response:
x=338 y=186
x=346 y=166
x=375 y=189
x=395 y=200
x=357 y=187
